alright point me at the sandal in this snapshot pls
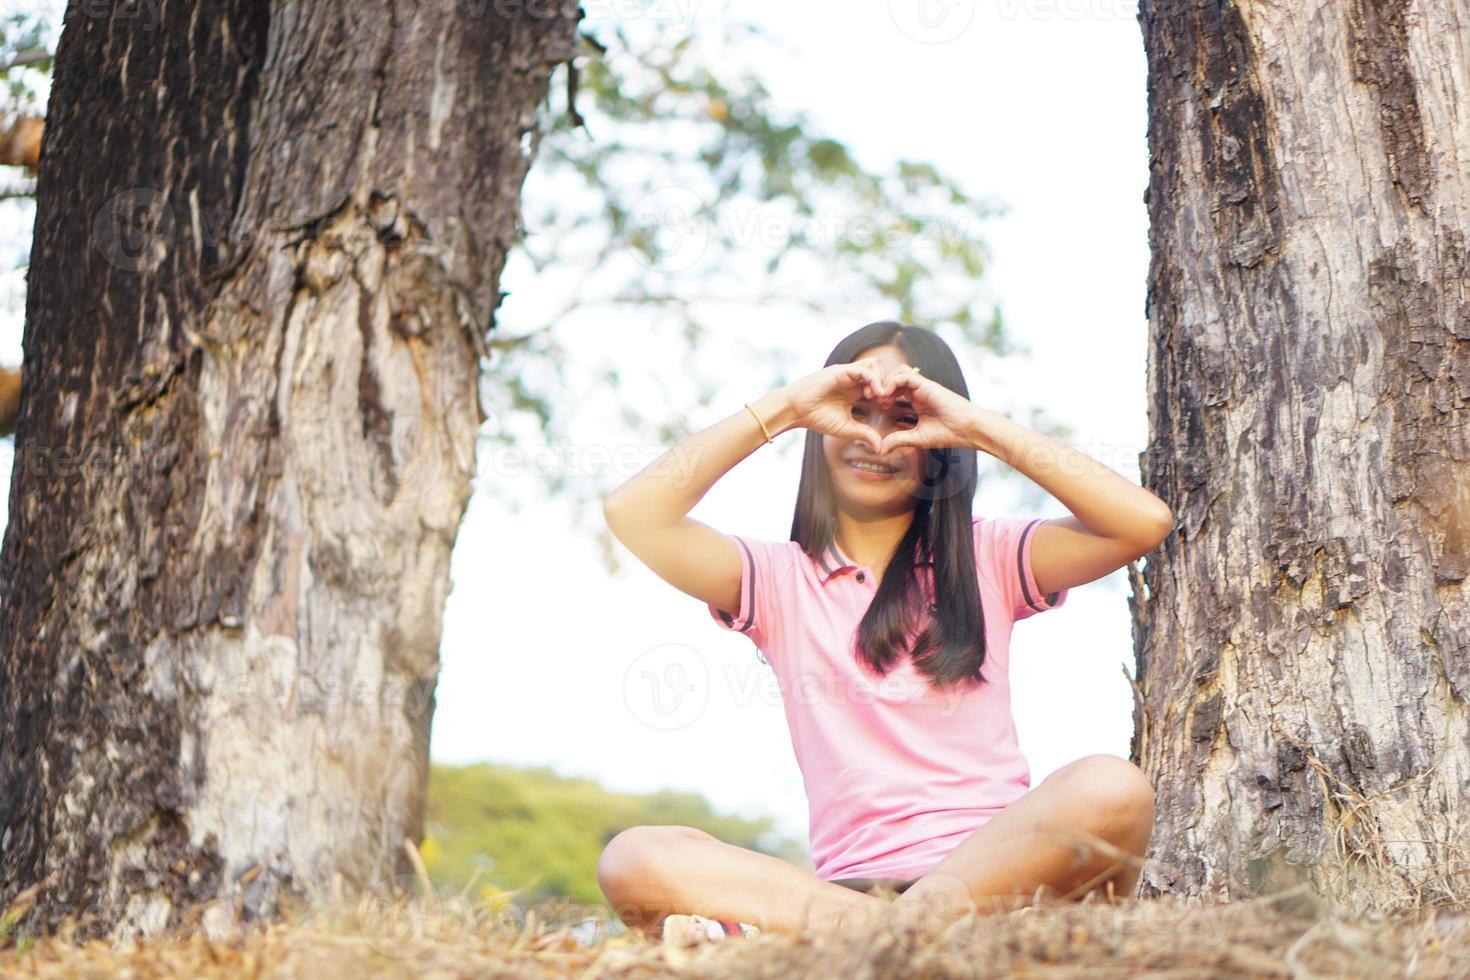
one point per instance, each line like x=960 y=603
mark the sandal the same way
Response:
x=688 y=930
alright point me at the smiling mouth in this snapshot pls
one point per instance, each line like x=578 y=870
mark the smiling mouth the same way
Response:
x=875 y=468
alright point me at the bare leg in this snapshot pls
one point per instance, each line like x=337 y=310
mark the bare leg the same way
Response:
x=1085 y=827
x=649 y=872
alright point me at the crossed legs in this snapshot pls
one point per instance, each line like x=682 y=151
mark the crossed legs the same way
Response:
x=1083 y=828
x=649 y=872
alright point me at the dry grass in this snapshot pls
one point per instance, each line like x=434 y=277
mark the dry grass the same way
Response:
x=449 y=937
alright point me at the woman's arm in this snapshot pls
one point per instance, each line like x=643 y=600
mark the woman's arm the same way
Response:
x=648 y=513
x=1114 y=520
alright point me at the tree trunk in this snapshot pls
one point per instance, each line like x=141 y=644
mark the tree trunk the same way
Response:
x=268 y=245
x=1304 y=635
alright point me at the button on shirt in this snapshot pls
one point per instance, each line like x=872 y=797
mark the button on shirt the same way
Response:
x=896 y=773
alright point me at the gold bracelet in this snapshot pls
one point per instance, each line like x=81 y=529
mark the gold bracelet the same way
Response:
x=764 y=431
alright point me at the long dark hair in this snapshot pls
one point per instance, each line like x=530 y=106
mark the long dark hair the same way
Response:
x=951 y=647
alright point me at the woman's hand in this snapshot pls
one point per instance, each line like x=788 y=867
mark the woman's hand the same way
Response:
x=823 y=401
x=946 y=418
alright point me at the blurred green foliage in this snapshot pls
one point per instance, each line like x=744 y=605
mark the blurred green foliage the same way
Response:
x=673 y=183
x=498 y=828
x=25 y=43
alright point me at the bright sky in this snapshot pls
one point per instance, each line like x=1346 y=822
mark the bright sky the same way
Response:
x=549 y=660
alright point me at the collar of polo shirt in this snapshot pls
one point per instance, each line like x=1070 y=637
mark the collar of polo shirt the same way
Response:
x=832 y=560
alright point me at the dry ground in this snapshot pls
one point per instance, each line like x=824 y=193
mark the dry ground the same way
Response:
x=1274 y=936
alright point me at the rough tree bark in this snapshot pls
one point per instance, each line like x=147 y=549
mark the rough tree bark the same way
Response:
x=267 y=251
x=1304 y=635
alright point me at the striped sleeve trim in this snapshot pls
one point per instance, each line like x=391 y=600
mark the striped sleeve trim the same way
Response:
x=747 y=592
x=1021 y=570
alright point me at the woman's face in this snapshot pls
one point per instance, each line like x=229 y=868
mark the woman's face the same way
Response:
x=863 y=490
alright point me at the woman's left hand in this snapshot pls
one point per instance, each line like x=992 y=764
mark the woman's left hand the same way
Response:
x=946 y=418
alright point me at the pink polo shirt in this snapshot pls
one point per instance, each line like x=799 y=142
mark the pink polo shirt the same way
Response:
x=896 y=774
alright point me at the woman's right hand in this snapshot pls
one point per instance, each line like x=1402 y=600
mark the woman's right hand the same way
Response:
x=823 y=400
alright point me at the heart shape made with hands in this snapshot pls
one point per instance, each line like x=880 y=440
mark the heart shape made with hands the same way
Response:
x=942 y=418
x=945 y=418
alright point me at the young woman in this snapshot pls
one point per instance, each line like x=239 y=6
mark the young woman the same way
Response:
x=887 y=619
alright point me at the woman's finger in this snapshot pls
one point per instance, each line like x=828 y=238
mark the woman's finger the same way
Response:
x=915 y=384
x=856 y=375
x=865 y=434
x=905 y=376
x=875 y=382
x=845 y=380
x=893 y=442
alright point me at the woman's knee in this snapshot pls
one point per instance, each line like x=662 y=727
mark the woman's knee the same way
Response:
x=1111 y=785
x=635 y=854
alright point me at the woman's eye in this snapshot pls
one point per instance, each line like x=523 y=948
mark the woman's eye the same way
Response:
x=859 y=410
